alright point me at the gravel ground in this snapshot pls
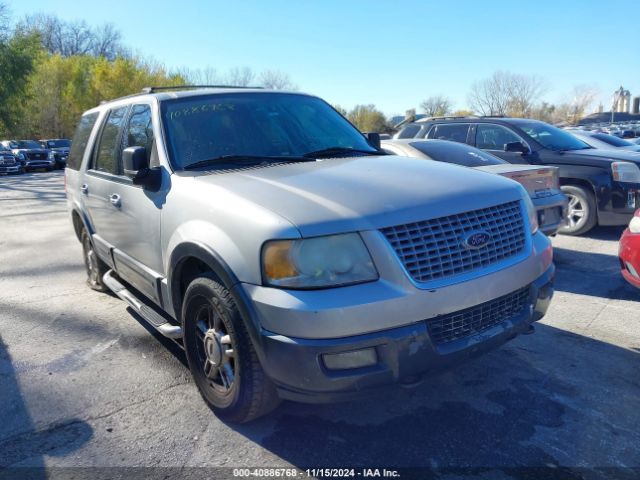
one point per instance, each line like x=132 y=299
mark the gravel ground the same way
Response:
x=83 y=383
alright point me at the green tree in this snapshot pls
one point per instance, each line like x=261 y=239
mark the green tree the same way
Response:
x=18 y=56
x=367 y=118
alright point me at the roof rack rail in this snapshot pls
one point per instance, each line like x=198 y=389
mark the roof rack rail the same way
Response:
x=493 y=116
x=445 y=117
x=147 y=90
x=189 y=87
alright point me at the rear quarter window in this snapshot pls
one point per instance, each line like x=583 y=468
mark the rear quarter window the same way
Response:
x=80 y=140
x=454 y=132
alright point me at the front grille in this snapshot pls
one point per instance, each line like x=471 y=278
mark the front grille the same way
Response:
x=464 y=323
x=434 y=249
x=37 y=156
x=7 y=161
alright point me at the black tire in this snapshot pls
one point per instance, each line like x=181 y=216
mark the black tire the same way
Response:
x=221 y=356
x=583 y=215
x=94 y=267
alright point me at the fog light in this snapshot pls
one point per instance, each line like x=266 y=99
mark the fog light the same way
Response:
x=631 y=269
x=354 y=359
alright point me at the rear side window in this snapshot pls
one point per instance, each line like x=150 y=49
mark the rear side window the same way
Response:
x=80 y=140
x=140 y=129
x=494 y=137
x=106 y=159
x=409 y=131
x=454 y=132
x=458 y=154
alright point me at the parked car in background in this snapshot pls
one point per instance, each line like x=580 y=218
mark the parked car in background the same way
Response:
x=31 y=154
x=60 y=148
x=603 y=186
x=604 y=141
x=9 y=163
x=629 y=251
x=542 y=183
x=288 y=255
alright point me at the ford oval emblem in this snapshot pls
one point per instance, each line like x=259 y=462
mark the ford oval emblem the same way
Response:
x=476 y=240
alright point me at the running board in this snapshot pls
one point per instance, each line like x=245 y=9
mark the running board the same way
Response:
x=142 y=308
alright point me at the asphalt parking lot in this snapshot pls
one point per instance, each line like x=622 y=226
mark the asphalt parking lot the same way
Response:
x=84 y=384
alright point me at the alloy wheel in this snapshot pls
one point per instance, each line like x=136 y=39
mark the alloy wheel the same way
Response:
x=215 y=350
x=577 y=211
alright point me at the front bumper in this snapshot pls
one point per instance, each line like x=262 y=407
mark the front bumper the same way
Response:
x=35 y=164
x=297 y=368
x=10 y=169
x=629 y=255
x=620 y=206
x=552 y=212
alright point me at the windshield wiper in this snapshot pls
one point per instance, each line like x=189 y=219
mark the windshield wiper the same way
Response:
x=339 y=150
x=243 y=158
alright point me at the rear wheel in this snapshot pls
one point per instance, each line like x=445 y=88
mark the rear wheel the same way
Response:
x=94 y=267
x=582 y=215
x=220 y=354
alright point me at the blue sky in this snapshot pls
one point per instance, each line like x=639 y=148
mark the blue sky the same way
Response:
x=392 y=54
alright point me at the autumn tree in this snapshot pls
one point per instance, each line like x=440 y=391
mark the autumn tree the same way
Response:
x=340 y=110
x=276 y=80
x=367 y=118
x=60 y=37
x=436 y=106
x=506 y=93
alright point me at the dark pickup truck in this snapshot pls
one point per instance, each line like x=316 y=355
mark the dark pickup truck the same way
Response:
x=60 y=148
x=603 y=186
x=31 y=154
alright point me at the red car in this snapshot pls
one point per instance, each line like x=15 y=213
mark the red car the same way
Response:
x=629 y=252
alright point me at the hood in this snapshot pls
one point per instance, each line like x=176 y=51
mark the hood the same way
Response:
x=595 y=156
x=631 y=148
x=364 y=193
x=31 y=150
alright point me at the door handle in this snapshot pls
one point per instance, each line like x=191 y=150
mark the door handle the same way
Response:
x=115 y=200
x=84 y=188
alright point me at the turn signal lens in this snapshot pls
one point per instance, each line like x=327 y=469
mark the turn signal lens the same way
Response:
x=277 y=264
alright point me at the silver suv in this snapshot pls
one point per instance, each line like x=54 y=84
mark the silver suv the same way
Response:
x=288 y=255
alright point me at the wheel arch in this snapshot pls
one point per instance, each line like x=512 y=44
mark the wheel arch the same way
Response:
x=80 y=221
x=189 y=259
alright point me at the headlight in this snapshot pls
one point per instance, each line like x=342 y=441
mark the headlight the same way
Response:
x=21 y=156
x=317 y=262
x=531 y=213
x=625 y=172
x=634 y=224
x=51 y=156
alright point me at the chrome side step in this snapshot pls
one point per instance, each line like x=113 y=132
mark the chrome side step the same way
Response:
x=142 y=308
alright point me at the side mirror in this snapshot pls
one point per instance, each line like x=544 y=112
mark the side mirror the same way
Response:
x=136 y=165
x=374 y=139
x=517 y=147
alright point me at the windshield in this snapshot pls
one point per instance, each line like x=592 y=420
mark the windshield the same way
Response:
x=27 y=144
x=611 y=140
x=254 y=124
x=58 y=143
x=551 y=137
x=457 y=153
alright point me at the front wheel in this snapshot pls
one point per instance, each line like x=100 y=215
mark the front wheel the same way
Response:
x=583 y=215
x=220 y=354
